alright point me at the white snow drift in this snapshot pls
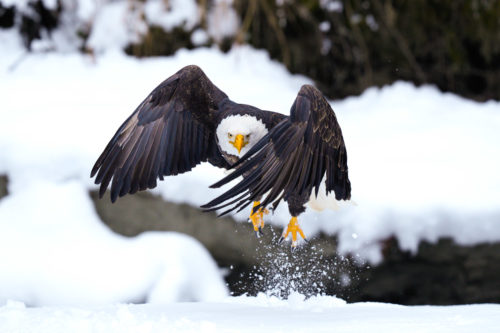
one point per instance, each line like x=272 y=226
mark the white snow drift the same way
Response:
x=55 y=250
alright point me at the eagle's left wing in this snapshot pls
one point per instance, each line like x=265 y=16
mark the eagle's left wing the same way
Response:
x=292 y=158
x=169 y=133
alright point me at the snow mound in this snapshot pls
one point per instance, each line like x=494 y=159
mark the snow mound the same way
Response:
x=55 y=251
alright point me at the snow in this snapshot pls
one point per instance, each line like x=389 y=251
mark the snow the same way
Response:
x=85 y=9
x=199 y=37
x=251 y=314
x=54 y=250
x=428 y=162
x=223 y=21
x=178 y=13
x=115 y=26
x=111 y=24
x=332 y=5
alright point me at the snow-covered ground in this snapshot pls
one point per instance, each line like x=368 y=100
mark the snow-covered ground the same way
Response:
x=250 y=314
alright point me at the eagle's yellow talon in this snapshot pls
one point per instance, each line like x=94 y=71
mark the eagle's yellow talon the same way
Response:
x=293 y=228
x=257 y=219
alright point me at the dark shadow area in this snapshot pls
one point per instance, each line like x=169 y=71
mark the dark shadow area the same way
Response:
x=3 y=186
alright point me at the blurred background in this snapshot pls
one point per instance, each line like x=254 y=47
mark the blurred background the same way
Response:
x=344 y=46
x=415 y=85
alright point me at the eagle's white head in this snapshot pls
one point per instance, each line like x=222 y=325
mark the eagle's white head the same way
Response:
x=236 y=134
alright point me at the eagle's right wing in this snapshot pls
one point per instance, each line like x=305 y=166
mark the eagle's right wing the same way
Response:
x=292 y=159
x=169 y=133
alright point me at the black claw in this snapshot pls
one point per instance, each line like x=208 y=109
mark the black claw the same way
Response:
x=306 y=240
x=261 y=233
x=293 y=248
x=281 y=240
x=257 y=234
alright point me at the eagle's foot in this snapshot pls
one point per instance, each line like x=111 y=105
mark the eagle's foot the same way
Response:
x=257 y=219
x=293 y=228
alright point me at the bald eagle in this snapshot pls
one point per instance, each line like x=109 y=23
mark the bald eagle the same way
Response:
x=187 y=120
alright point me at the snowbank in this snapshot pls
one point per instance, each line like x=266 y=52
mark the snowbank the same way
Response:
x=55 y=250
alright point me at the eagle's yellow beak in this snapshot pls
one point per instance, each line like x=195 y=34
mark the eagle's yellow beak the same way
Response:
x=239 y=142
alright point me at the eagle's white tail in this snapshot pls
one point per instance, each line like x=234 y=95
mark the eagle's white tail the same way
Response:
x=323 y=201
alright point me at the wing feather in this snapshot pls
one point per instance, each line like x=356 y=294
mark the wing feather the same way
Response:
x=169 y=133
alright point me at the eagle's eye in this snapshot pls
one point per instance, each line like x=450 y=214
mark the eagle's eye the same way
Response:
x=247 y=136
x=229 y=135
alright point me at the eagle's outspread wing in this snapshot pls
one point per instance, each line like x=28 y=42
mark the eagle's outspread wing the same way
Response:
x=169 y=133
x=291 y=160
